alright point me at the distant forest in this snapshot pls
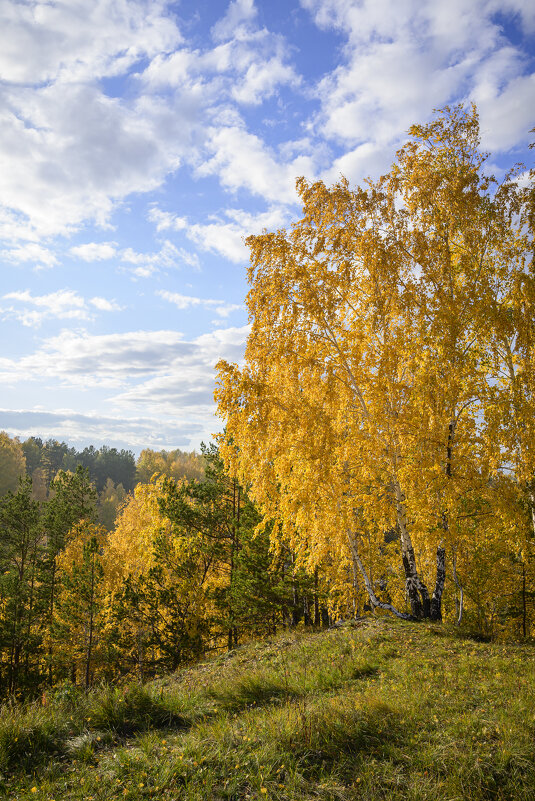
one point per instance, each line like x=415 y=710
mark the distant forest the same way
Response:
x=114 y=473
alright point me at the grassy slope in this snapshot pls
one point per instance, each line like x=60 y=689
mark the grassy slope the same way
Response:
x=379 y=709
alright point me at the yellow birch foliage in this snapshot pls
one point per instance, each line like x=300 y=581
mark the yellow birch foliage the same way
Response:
x=362 y=405
x=139 y=523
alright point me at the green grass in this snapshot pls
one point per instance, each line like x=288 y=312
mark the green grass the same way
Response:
x=377 y=710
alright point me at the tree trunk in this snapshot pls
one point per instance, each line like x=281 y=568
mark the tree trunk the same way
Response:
x=417 y=591
x=374 y=601
x=459 y=603
x=90 y=641
x=436 y=600
x=317 y=619
x=524 y=606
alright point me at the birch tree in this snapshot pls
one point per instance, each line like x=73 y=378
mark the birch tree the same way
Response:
x=360 y=408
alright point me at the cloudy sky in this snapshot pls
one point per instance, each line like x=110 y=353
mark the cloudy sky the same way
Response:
x=141 y=140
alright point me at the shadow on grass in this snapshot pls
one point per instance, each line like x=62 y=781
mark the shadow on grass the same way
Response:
x=254 y=689
x=327 y=739
x=32 y=735
x=134 y=709
x=27 y=744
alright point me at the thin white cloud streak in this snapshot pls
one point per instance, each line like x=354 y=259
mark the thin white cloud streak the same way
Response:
x=139 y=265
x=183 y=302
x=92 y=427
x=169 y=257
x=155 y=375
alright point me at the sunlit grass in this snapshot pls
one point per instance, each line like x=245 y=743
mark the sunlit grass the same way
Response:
x=380 y=710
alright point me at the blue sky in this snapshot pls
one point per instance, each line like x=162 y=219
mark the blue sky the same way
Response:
x=140 y=141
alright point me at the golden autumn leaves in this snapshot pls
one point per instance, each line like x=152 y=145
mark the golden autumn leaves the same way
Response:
x=384 y=413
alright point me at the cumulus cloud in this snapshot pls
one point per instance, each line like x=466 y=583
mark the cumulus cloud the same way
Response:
x=102 y=304
x=65 y=304
x=236 y=21
x=402 y=58
x=226 y=234
x=80 y=41
x=242 y=160
x=164 y=220
x=83 y=152
x=63 y=138
x=95 y=251
x=30 y=252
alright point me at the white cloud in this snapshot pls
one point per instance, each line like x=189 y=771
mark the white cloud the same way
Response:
x=168 y=257
x=364 y=160
x=102 y=304
x=226 y=234
x=82 y=40
x=221 y=308
x=236 y=21
x=241 y=160
x=65 y=304
x=246 y=66
x=524 y=8
x=30 y=251
x=188 y=382
x=403 y=58
x=152 y=372
x=261 y=80
x=506 y=114
x=63 y=138
x=93 y=427
x=84 y=152
x=223 y=238
x=95 y=251
x=164 y=220
x=227 y=238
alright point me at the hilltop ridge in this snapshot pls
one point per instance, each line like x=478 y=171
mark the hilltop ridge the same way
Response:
x=375 y=708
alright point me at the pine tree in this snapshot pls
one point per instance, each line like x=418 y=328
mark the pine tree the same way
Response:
x=21 y=543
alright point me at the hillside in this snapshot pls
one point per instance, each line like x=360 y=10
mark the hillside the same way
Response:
x=373 y=709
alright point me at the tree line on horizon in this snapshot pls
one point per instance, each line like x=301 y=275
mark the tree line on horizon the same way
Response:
x=113 y=472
